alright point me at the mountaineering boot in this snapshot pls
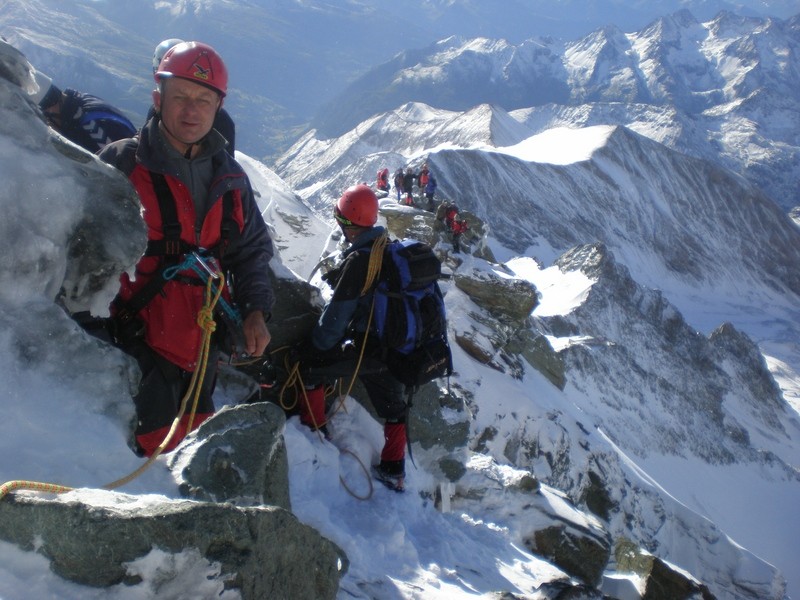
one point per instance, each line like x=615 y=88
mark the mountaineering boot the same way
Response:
x=392 y=474
x=391 y=471
x=312 y=409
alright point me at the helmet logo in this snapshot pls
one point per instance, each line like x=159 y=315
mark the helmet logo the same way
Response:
x=200 y=72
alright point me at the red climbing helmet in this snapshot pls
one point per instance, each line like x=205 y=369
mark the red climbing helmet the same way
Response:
x=197 y=62
x=357 y=206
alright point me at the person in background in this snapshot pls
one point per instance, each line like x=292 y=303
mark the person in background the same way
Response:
x=84 y=119
x=449 y=213
x=200 y=212
x=382 y=182
x=222 y=122
x=398 y=183
x=328 y=355
x=457 y=228
x=430 y=191
x=408 y=186
x=422 y=180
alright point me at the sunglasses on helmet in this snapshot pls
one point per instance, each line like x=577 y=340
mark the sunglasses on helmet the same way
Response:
x=341 y=219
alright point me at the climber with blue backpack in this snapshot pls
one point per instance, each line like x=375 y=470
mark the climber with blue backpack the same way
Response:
x=384 y=323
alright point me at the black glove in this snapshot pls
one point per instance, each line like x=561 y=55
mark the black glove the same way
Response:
x=302 y=352
x=332 y=276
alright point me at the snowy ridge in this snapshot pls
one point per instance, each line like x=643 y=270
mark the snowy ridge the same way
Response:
x=631 y=189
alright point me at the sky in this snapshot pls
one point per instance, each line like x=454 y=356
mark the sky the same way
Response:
x=73 y=431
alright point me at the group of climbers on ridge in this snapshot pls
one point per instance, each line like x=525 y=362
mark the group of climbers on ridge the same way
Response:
x=405 y=181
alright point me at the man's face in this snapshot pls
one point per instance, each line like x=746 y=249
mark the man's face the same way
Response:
x=187 y=110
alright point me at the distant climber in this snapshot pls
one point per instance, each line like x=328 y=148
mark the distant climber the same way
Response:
x=422 y=180
x=408 y=186
x=398 y=183
x=430 y=191
x=458 y=227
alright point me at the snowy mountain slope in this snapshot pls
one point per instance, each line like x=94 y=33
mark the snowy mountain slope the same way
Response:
x=728 y=86
x=316 y=167
x=628 y=188
x=715 y=247
x=299 y=236
x=663 y=397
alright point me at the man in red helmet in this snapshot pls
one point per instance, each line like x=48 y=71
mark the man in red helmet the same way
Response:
x=345 y=317
x=222 y=121
x=201 y=215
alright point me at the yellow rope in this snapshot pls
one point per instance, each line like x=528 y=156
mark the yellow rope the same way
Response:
x=22 y=484
x=375 y=263
x=366 y=473
x=205 y=320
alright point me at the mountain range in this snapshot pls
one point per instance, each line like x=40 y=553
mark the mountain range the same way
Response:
x=293 y=63
x=726 y=90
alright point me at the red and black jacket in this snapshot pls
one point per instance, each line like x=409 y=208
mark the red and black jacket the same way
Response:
x=232 y=230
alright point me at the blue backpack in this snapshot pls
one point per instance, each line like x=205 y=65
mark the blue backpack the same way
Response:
x=409 y=313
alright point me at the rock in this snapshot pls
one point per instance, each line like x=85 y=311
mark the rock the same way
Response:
x=579 y=554
x=507 y=297
x=237 y=456
x=264 y=552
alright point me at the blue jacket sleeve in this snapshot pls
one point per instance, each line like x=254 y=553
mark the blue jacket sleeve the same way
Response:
x=347 y=309
x=333 y=323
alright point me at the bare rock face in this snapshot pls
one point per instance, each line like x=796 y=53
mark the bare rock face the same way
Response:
x=237 y=456
x=510 y=298
x=264 y=552
x=577 y=552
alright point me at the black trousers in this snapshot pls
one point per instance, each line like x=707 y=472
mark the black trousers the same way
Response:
x=386 y=393
x=163 y=386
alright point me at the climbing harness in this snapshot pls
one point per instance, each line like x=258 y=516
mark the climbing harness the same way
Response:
x=171 y=247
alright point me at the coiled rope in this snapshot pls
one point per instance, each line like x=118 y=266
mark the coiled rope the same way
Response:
x=205 y=319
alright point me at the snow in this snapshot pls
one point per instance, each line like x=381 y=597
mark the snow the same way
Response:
x=560 y=292
x=560 y=145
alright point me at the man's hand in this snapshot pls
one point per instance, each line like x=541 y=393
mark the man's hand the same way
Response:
x=256 y=334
